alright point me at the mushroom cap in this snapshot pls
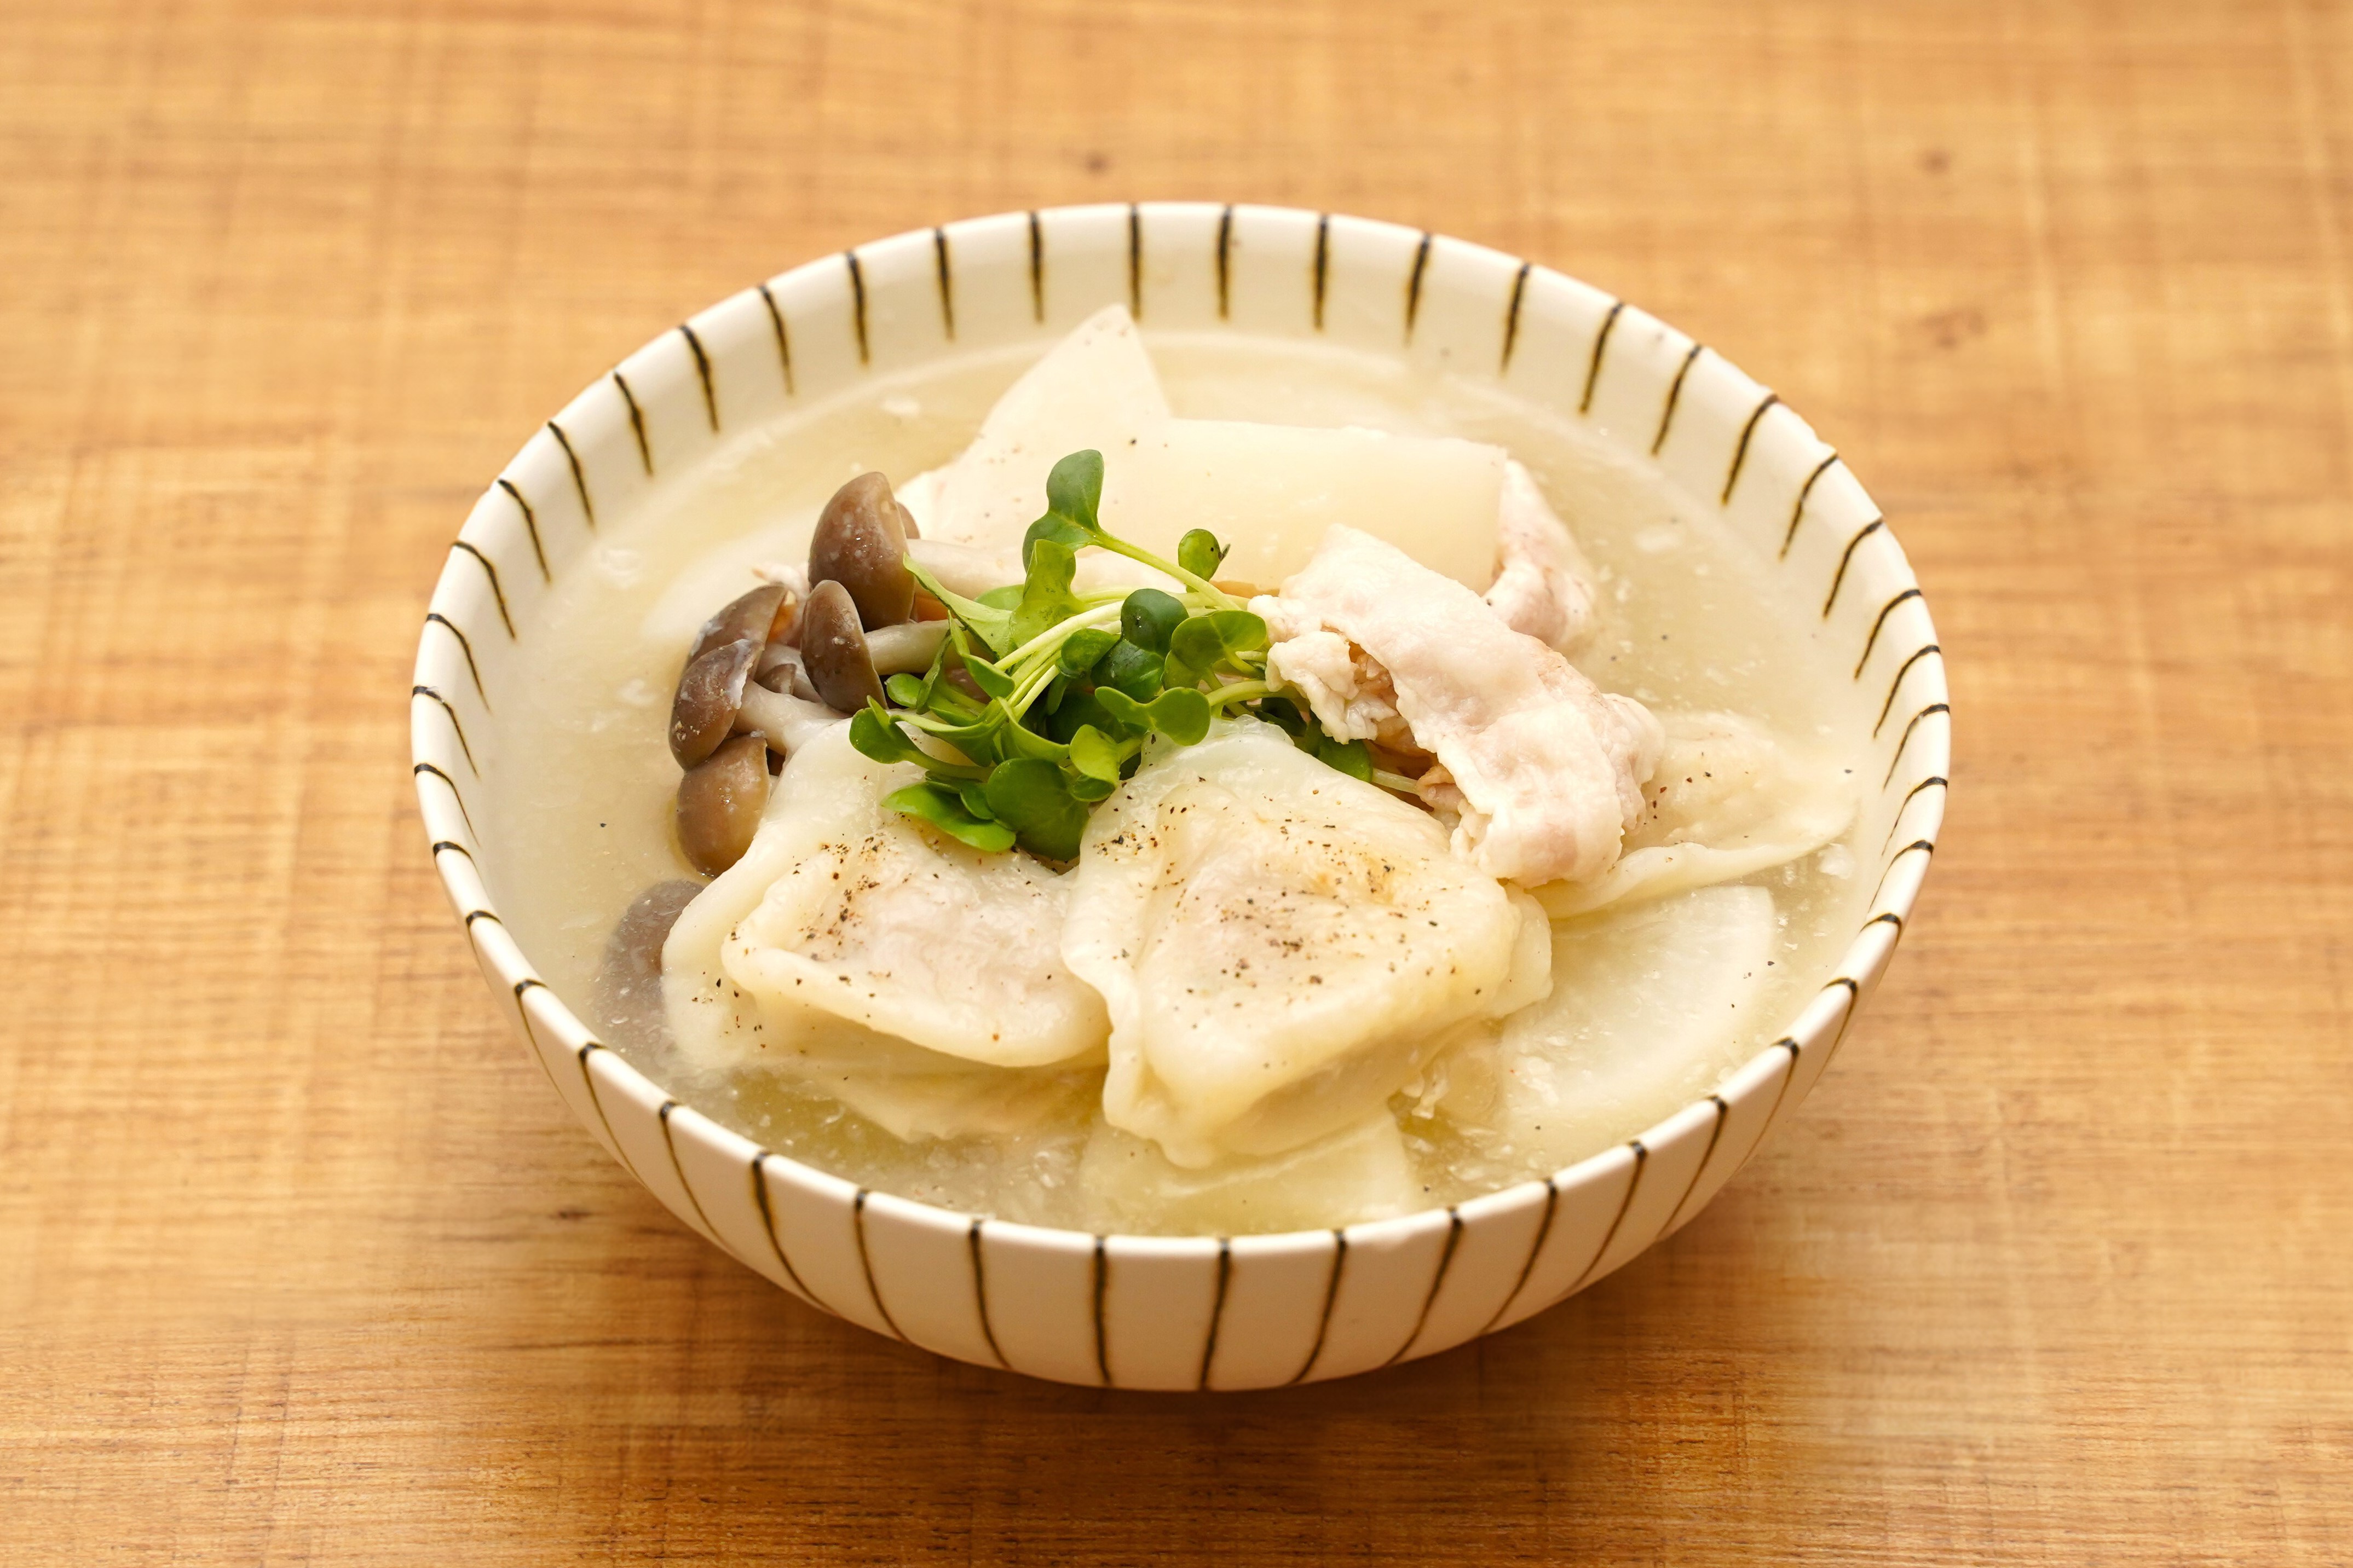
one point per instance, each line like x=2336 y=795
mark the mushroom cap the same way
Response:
x=765 y=615
x=710 y=690
x=860 y=542
x=719 y=803
x=628 y=995
x=833 y=651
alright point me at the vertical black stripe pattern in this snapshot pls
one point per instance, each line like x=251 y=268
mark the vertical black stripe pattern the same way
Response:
x=1633 y=1186
x=947 y=282
x=760 y=1201
x=678 y=1169
x=1437 y=1283
x=858 y=303
x=1919 y=846
x=435 y=617
x=497 y=592
x=1135 y=261
x=441 y=844
x=417 y=691
x=1740 y=452
x=1871 y=641
x=1715 y=1135
x=1934 y=781
x=1798 y=512
x=1788 y=1078
x=1674 y=397
x=866 y=1264
x=702 y=374
x=1923 y=651
x=1037 y=269
x=1535 y=1250
x=1216 y=1309
x=1102 y=1329
x=637 y=423
x=523 y=1014
x=464 y=816
x=1512 y=315
x=980 y=1291
x=784 y=338
x=596 y=1101
x=1846 y=559
x=1601 y=346
x=1331 y=1299
x=579 y=477
x=1225 y=263
x=1898 y=757
x=530 y=524
x=1413 y=284
x=1323 y=263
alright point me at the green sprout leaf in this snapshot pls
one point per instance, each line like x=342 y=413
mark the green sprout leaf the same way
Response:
x=1083 y=649
x=992 y=680
x=1032 y=797
x=1201 y=554
x=947 y=810
x=908 y=691
x=1182 y=715
x=1148 y=619
x=1080 y=707
x=1095 y=754
x=1046 y=598
x=1006 y=598
x=976 y=800
x=1349 y=757
x=877 y=735
x=1089 y=789
x=1216 y=637
x=1074 y=490
x=992 y=623
x=1056 y=529
x=1131 y=671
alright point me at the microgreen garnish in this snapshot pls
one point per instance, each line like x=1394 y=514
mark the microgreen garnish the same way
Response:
x=1042 y=699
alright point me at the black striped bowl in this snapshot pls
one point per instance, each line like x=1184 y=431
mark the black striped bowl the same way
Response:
x=1159 y=1312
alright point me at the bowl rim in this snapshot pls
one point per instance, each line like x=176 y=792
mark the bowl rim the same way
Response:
x=1827 y=1014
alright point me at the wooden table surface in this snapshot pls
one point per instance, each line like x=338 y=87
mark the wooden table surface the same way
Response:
x=298 y=1257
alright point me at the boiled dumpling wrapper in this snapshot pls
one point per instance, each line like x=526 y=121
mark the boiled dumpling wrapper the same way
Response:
x=1727 y=800
x=1281 y=946
x=1360 y=1172
x=914 y=978
x=1646 y=1012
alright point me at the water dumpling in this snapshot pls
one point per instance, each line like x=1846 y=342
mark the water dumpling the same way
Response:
x=1727 y=799
x=908 y=975
x=1281 y=945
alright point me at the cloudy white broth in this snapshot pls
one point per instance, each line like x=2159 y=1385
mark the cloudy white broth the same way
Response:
x=1654 y=997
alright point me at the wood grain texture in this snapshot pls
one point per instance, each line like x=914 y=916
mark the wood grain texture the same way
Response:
x=300 y=1260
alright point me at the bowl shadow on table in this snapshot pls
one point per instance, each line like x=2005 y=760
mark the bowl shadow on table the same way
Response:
x=1633 y=1412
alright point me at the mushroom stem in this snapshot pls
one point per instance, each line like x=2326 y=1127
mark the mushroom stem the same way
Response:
x=787 y=721
x=907 y=647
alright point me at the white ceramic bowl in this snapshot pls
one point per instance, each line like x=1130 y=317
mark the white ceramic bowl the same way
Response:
x=1160 y=1312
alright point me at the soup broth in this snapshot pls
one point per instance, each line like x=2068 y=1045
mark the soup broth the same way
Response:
x=1653 y=1002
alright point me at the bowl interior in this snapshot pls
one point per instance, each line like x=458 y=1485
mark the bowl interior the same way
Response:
x=828 y=330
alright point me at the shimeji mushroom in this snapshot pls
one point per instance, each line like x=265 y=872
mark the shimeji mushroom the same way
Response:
x=860 y=542
x=758 y=663
x=719 y=801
